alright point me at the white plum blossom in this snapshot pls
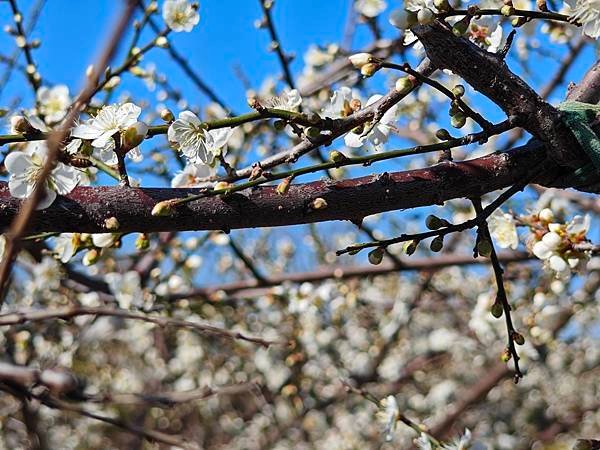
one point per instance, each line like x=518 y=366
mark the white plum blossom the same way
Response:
x=103 y=240
x=586 y=12
x=66 y=245
x=190 y=176
x=53 y=102
x=340 y=104
x=370 y=8
x=110 y=120
x=288 y=101
x=423 y=442
x=180 y=15
x=25 y=170
x=503 y=229
x=464 y=442
x=126 y=288
x=201 y=146
x=379 y=133
x=388 y=415
x=555 y=246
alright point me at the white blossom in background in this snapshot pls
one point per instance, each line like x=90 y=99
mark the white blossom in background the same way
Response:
x=111 y=119
x=586 y=12
x=103 y=240
x=191 y=175
x=53 y=102
x=370 y=8
x=25 y=170
x=503 y=229
x=317 y=57
x=288 y=101
x=126 y=288
x=180 y=15
x=423 y=442
x=199 y=145
x=378 y=135
x=464 y=442
x=388 y=415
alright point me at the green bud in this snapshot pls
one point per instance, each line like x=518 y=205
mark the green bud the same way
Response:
x=134 y=136
x=434 y=223
x=443 y=134
x=312 y=132
x=410 y=247
x=162 y=209
x=284 y=186
x=437 y=244
x=369 y=69
x=142 y=242
x=458 y=90
x=497 y=310
x=404 y=85
x=458 y=120
x=505 y=357
x=337 y=157
x=376 y=256
x=518 y=338
x=279 y=125
x=91 y=257
x=507 y=10
x=442 y=5
x=167 y=115
x=484 y=248
x=461 y=27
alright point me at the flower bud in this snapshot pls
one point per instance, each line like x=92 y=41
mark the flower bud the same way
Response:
x=484 y=248
x=284 y=185
x=458 y=90
x=461 y=27
x=91 y=257
x=162 y=209
x=433 y=222
x=134 y=136
x=507 y=10
x=279 y=125
x=442 y=5
x=312 y=132
x=403 y=19
x=546 y=215
x=167 y=115
x=497 y=310
x=376 y=256
x=162 y=42
x=369 y=69
x=111 y=224
x=425 y=16
x=404 y=85
x=337 y=157
x=222 y=185
x=142 y=242
x=458 y=120
x=505 y=357
x=518 y=338
x=318 y=203
x=21 y=125
x=410 y=247
x=443 y=134
x=358 y=60
x=437 y=244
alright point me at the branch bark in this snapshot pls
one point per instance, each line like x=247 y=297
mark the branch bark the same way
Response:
x=86 y=209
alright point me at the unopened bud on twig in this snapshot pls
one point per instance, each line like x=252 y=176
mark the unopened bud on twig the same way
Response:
x=134 y=136
x=376 y=256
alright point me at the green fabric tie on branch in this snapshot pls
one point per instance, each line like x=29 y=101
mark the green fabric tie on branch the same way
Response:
x=577 y=117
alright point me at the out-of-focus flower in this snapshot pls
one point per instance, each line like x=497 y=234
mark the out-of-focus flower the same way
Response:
x=288 y=101
x=190 y=176
x=126 y=288
x=53 y=102
x=370 y=8
x=587 y=13
x=388 y=415
x=503 y=229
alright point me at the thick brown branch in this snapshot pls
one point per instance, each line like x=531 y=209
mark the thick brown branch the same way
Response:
x=87 y=208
